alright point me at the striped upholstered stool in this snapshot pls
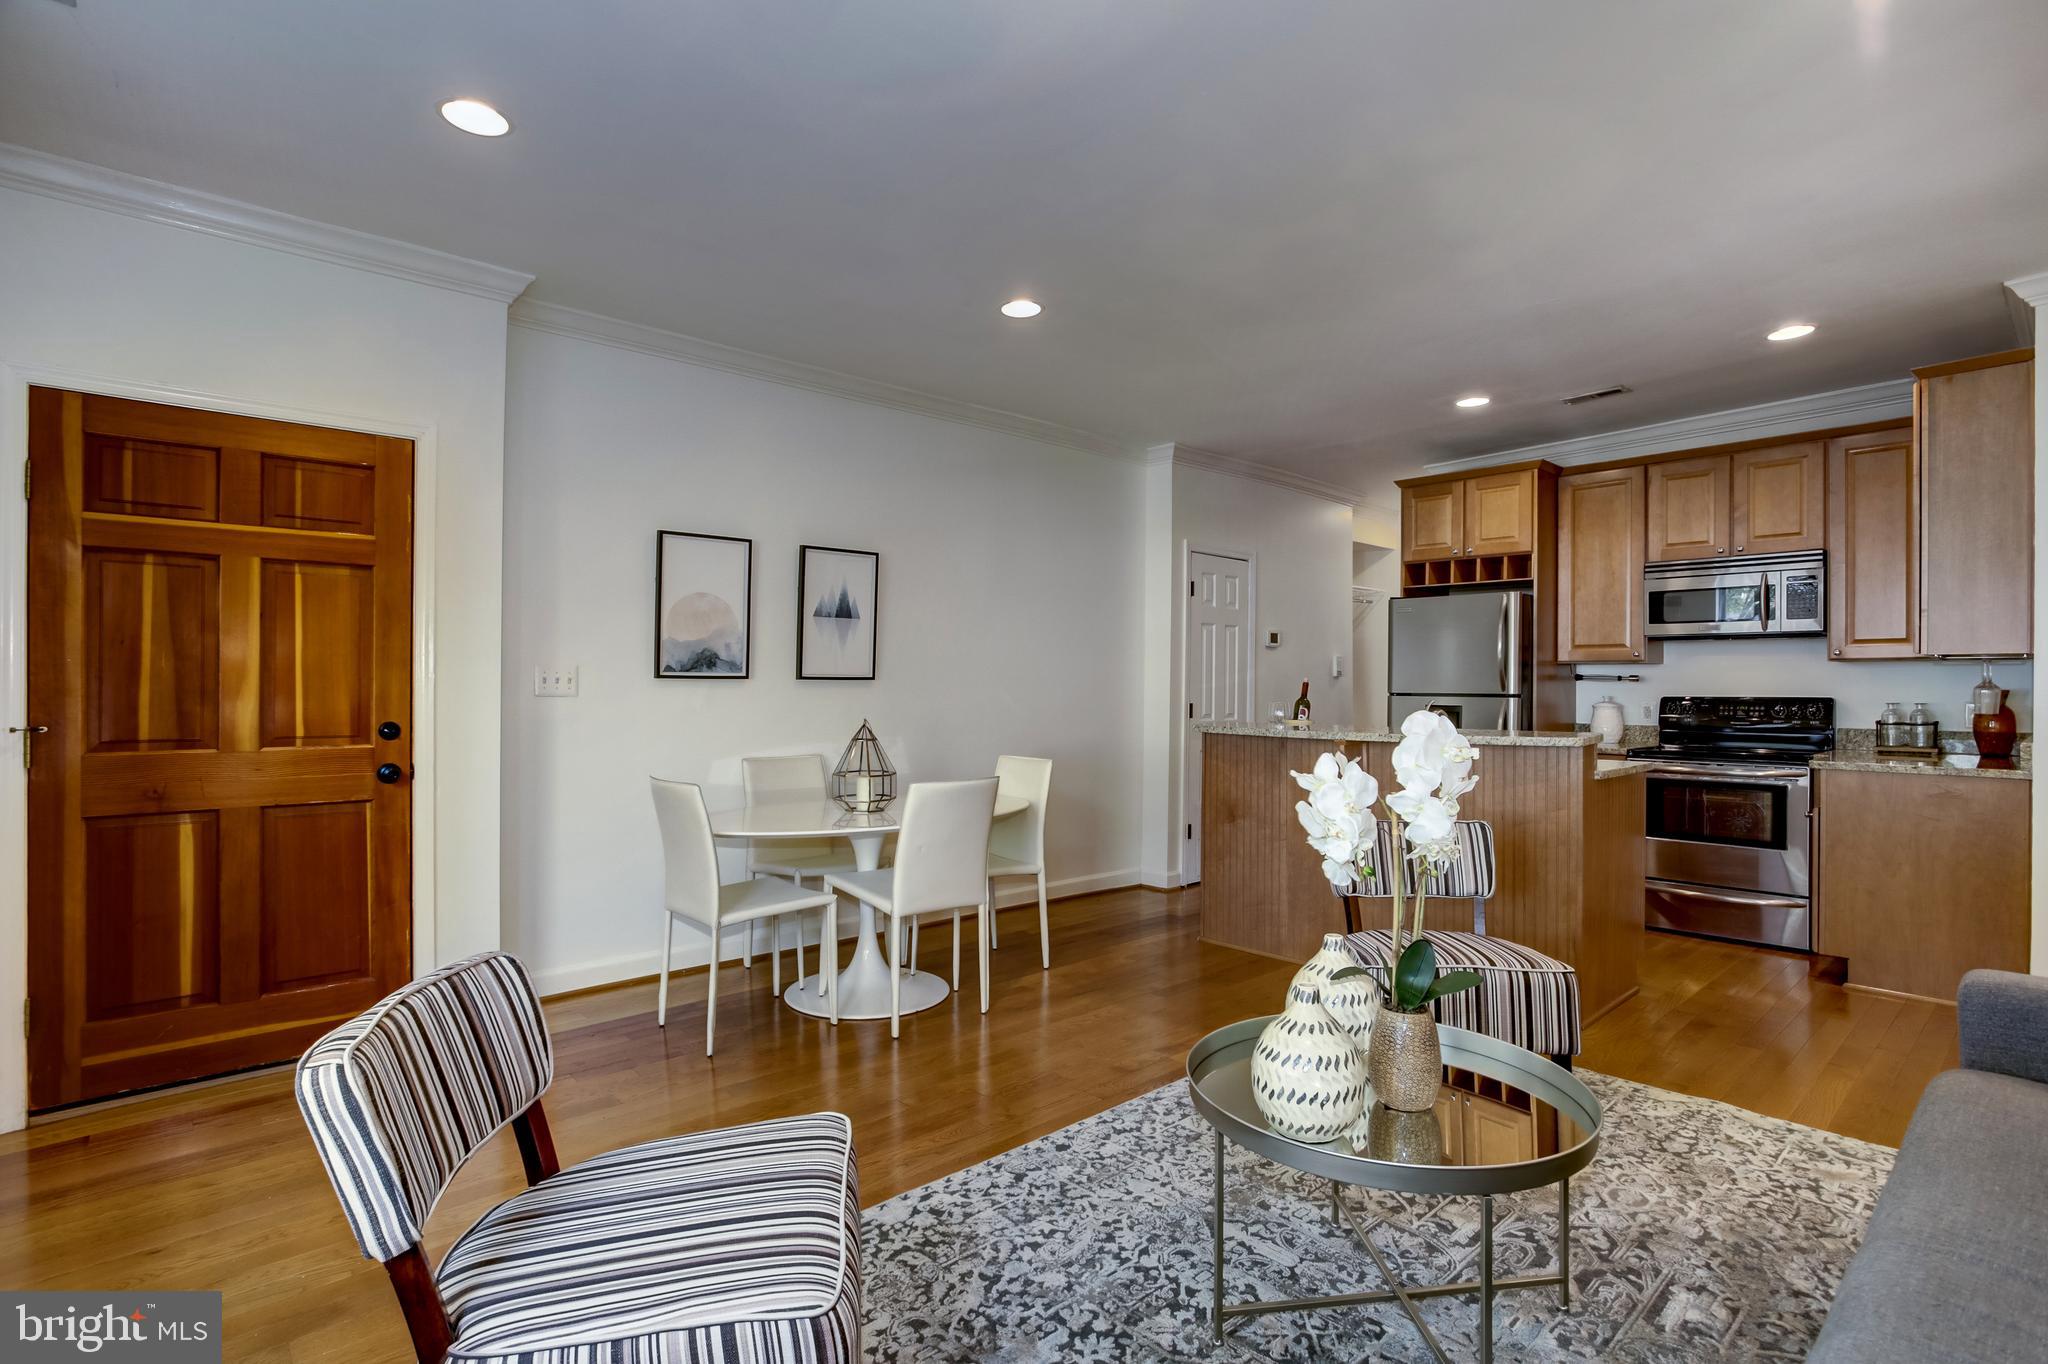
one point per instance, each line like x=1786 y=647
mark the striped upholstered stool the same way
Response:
x=735 y=1245
x=1470 y=875
x=1523 y=997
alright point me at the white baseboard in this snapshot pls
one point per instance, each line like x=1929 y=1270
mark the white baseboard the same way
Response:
x=556 y=980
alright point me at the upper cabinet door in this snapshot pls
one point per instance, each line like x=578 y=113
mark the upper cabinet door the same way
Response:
x=1433 y=521
x=1688 y=508
x=1775 y=502
x=1500 y=513
x=1600 y=566
x=1977 y=494
x=1873 y=546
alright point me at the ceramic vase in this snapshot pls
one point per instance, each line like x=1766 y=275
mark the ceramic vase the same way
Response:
x=1404 y=1060
x=1354 y=1002
x=1307 y=1077
x=1329 y=959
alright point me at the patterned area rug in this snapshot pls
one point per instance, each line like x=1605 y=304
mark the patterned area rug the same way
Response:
x=1700 y=1232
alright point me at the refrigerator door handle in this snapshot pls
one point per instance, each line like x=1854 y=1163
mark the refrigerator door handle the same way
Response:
x=1504 y=639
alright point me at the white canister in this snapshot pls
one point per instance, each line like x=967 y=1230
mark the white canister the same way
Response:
x=1609 y=722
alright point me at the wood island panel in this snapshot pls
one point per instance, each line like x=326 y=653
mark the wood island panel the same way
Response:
x=1568 y=851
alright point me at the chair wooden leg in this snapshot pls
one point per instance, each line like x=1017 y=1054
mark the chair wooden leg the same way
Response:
x=711 y=989
x=985 y=915
x=895 y=976
x=1044 y=927
x=419 y=1297
x=828 y=958
x=536 y=1144
x=668 y=952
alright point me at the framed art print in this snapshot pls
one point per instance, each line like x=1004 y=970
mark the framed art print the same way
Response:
x=837 y=592
x=703 y=605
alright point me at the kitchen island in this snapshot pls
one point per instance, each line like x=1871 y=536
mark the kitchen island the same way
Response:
x=1568 y=844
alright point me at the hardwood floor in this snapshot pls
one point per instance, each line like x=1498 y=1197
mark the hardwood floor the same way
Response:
x=219 y=1187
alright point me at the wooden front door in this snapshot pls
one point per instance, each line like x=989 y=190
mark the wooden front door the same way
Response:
x=220 y=809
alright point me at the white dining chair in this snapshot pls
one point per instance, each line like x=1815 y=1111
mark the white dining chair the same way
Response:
x=941 y=866
x=1016 y=845
x=692 y=892
x=796 y=777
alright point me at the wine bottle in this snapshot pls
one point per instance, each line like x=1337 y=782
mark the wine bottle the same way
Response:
x=1301 y=702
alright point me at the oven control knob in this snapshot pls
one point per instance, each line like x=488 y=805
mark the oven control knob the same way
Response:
x=1777 y=712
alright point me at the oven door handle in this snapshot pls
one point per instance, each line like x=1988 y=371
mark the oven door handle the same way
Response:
x=1725 y=897
x=1723 y=775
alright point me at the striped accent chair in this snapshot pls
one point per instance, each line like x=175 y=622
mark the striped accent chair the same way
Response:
x=741 y=1244
x=1470 y=876
x=1523 y=997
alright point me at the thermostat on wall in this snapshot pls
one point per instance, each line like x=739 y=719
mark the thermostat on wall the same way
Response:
x=1272 y=639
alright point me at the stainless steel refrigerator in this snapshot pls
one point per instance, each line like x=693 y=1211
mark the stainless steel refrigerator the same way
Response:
x=1469 y=654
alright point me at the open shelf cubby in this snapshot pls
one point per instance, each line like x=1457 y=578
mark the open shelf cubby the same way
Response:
x=1421 y=578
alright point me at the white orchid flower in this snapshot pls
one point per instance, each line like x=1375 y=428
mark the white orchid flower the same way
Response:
x=1429 y=821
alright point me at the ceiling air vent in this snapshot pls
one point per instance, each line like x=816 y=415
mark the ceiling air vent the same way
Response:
x=1597 y=394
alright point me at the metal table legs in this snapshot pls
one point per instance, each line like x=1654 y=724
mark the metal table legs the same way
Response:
x=1398 y=1290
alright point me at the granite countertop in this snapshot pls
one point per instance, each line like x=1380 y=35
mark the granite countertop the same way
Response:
x=1608 y=768
x=1951 y=765
x=1478 y=738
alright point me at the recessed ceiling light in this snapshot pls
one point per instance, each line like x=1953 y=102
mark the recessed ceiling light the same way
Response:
x=1476 y=400
x=1021 y=308
x=474 y=116
x=1791 y=331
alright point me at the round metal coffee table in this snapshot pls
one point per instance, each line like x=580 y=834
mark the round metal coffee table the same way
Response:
x=1544 y=1127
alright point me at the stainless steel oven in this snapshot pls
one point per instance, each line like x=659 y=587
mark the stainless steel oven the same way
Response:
x=1765 y=594
x=1729 y=851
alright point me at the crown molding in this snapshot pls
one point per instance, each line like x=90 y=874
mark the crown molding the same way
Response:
x=78 y=182
x=1253 y=471
x=2022 y=297
x=1888 y=401
x=558 y=320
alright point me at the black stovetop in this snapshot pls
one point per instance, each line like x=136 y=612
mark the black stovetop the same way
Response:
x=1742 y=729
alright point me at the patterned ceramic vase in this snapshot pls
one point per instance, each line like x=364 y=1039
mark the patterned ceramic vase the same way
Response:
x=1354 y=1002
x=1329 y=958
x=1307 y=1077
x=1404 y=1060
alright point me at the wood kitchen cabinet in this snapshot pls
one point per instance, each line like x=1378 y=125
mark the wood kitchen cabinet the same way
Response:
x=1975 y=428
x=1600 y=543
x=1767 y=501
x=1486 y=514
x=1687 y=508
x=1914 y=900
x=1873 y=543
x=1775 y=501
x=1432 y=522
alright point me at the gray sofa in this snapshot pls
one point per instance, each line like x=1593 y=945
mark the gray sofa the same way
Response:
x=1955 y=1265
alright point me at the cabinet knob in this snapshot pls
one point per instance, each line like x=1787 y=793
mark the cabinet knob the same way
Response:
x=1720 y=549
x=1638 y=653
x=1838 y=653
x=1739 y=549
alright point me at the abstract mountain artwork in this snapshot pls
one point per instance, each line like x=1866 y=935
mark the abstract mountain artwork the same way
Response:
x=836 y=597
x=703 y=605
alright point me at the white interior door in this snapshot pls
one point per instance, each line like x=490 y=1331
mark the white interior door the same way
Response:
x=1218 y=677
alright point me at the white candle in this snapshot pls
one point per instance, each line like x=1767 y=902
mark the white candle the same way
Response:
x=864 y=791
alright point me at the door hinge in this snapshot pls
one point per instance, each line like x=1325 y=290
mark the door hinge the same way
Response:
x=1191 y=831
x=1191 y=710
x=28 y=742
x=1191 y=587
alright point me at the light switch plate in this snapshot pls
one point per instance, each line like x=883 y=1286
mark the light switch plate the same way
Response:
x=554 y=681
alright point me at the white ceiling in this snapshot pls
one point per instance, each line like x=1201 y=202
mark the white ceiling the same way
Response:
x=1291 y=232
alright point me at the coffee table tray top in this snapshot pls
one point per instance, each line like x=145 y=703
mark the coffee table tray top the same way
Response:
x=1220 y=1083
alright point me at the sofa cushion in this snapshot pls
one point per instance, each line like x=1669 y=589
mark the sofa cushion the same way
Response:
x=1953 y=1266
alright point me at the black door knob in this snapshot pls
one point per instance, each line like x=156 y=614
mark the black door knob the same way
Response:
x=389 y=730
x=389 y=773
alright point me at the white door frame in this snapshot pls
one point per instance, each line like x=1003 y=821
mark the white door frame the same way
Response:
x=1191 y=771
x=15 y=381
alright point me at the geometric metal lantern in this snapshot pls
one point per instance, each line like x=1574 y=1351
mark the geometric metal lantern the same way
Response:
x=864 y=782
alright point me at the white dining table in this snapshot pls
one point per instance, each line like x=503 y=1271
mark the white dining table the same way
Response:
x=863 y=984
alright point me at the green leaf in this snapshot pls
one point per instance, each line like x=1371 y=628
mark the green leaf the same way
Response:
x=1346 y=972
x=1451 y=983
x=1413 y=976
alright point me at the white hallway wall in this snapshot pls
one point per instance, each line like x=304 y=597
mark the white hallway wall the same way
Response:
x=1010 y=611
x=90 y=297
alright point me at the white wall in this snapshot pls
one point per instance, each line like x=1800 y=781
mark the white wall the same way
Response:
x=1009 y=614
x=1375 y=563
x=1300 y=545
x=1801 y=667
x=99 y=300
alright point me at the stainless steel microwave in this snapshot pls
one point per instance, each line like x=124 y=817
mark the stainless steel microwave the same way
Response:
x=1764 y=594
